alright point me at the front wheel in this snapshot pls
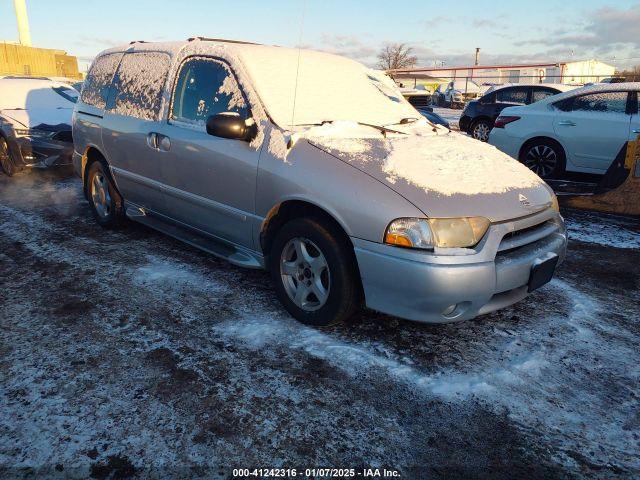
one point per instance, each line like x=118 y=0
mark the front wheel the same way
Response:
x=104 y=199
x=6 y=160
x=544 y=157
x=314 y=272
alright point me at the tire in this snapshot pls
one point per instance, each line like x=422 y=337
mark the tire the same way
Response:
x=322 y=289
x=480 y=130
x=104 y=199
x=545 y=157
x=6 y=158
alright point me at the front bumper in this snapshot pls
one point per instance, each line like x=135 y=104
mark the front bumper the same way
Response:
x=425 y=286
x=42 y=153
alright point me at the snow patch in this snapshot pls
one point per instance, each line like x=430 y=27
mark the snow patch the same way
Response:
x=604 y=230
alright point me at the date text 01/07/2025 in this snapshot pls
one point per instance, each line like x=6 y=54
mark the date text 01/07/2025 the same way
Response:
x=314 y=473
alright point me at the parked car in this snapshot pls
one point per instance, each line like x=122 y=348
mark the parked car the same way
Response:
x=458 y=92
x=578 y=131
x=419 y=97
x=35 y=123
x=478 y=116
x=433 y=117
x=346 y=198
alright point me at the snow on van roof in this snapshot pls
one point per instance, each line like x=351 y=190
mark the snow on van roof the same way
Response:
x=299 y=87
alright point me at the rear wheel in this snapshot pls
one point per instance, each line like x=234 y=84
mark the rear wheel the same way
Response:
x=480 y=130
x=545 y=157
x=105 y=201
x=6 y=160
x=313 y=272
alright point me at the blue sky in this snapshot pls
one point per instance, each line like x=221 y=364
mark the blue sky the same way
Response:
x=437 y=30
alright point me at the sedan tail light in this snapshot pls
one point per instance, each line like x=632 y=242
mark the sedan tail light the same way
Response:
x=501 y=121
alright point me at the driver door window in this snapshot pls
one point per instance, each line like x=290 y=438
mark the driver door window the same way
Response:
x=206 y=87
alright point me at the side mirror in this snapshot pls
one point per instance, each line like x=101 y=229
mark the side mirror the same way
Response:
x=230 y=125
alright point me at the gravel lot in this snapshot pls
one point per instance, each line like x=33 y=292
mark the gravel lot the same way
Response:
x=128 y=354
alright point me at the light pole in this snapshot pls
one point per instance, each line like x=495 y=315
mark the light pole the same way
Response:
x=23 y=22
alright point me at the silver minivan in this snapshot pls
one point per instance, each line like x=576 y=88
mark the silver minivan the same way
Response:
x=314 y=167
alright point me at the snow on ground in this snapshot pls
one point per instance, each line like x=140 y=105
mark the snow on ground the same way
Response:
x=616 y=231
x=127 y=353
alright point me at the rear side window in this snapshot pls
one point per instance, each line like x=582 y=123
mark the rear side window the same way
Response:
x=95 y=89
x=139 y=83
x=512 y=95
x=607 y=102
x=541 y=94
x=206 y=87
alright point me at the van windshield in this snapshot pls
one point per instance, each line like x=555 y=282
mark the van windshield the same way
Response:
x=328 y=88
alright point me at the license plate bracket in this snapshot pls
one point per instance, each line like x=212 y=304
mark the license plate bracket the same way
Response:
x=542 y=272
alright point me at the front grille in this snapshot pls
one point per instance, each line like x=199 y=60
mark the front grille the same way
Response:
x=419 y=101
x=526 y=236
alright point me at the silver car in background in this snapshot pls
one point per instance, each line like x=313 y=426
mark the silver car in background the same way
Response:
x=314 y=167
x=35 y=123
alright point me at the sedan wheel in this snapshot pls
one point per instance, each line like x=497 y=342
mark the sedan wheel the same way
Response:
x=305 y=274
x=481 y=131
x=542 y=159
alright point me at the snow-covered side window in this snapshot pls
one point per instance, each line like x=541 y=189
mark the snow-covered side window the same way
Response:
x=139 y=83
x=206 y=87
x=607 y=102
x=95 y=89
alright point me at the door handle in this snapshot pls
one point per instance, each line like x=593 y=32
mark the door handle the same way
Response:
x=158 y=141
x=636 y=130
x=152 y=140
x=566 y=123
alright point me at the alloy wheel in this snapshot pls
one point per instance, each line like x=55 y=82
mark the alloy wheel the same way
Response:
x=305 y=274
x=481 y=132
x=542 y=159
x=100 y=195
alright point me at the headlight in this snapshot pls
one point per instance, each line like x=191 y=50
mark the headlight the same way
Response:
x=32 y=132
x=554 y=203
x=426 y=233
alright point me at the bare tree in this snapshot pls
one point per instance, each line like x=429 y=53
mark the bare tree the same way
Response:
x=396 y=55
x=631 y=75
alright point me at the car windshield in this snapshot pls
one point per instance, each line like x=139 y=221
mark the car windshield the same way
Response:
x=322 y=87
x=26 y=94
x=67 y=92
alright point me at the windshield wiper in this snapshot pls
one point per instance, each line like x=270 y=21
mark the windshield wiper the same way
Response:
x=381 y=128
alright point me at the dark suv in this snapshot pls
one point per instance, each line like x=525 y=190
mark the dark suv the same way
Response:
x=479 y=115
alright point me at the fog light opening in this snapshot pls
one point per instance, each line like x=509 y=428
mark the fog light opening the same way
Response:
x=455 y=310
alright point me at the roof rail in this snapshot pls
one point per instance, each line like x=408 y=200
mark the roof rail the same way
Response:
x=138 y=41
x=223 y=40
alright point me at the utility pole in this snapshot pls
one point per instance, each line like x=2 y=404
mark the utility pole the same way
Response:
x=23 y=22
x=477 y=56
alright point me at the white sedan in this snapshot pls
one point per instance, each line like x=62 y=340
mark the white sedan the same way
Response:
x=578 y=131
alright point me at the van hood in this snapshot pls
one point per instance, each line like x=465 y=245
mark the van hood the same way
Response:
x=442 y=173
x=41 y=118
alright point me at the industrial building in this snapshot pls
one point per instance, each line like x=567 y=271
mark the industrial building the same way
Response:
x=25 y=60
x=570 y=73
